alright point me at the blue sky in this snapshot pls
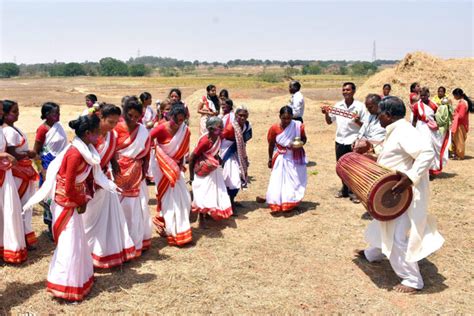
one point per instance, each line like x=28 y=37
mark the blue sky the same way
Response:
x=44 y=31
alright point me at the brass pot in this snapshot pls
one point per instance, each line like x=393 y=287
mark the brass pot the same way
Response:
x=297 y=143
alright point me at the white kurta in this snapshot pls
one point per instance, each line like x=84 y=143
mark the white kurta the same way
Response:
x=412 y=236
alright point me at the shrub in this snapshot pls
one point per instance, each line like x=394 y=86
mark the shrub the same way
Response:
x=138 y=70
x=113 y=67
x=8 y=70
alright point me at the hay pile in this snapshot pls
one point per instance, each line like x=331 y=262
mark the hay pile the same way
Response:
x=426 y=69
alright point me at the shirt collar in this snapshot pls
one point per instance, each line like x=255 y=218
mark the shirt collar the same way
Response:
x=390 y=128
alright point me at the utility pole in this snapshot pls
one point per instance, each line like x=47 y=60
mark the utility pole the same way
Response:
x=138 y=53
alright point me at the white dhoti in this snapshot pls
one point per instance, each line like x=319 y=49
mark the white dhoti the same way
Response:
x=409 y=272
x=412 y=236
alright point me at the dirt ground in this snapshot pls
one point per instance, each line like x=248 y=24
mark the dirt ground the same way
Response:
x=301 y=262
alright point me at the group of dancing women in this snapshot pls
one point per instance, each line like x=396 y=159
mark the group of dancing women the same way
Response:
x=93 y=189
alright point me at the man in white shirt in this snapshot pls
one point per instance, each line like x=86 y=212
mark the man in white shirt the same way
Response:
x=412 y=236
x=347 y=129
x=371 y=134
x=296 y=101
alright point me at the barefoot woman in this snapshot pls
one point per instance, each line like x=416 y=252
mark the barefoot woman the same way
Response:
x=288 y=178
x=173 y=200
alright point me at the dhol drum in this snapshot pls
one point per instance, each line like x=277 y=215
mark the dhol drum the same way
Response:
x=373 y=183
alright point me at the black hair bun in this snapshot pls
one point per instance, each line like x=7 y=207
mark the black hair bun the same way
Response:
x=74 y=124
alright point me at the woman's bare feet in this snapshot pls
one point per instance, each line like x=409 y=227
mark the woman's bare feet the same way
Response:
x=260 y=199
x=400 y=288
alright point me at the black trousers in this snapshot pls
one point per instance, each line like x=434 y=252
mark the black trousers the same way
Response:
x=341 y=150
x=298 y=119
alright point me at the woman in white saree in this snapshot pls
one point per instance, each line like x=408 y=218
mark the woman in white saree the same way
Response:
x=173 y=200
x=12 y=236
x=287 y=183
x=209 y=190
x=233 y=153
x=208 y=107
x=424 y=112
x=50 y=140
x=71 y=272
x=24 y=174
x=133 y=149
x=104 y=221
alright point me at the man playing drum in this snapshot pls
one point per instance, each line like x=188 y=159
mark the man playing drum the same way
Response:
x=412 y=236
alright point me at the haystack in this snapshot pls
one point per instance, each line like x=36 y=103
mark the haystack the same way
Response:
x=428 y=70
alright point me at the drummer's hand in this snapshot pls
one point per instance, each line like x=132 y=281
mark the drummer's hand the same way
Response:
x=401 y=185
x=324 y=110
x=270 y=164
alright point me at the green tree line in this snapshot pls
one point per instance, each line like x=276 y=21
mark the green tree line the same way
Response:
x=142 y=66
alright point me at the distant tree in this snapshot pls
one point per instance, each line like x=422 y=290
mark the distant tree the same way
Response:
x=290 y=71
x=91 y=68
x=73 y=69
x=342 y=70
x=113 y=67
x=312 y=70
x=8 y=70
x=168 y=72
x=139 y=70
x=363 y=68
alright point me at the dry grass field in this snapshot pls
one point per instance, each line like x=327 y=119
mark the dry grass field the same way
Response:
x=256 y=263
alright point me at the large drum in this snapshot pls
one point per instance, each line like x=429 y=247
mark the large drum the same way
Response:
x=373 y=183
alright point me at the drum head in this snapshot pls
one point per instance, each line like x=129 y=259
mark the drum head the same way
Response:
x=383 y=204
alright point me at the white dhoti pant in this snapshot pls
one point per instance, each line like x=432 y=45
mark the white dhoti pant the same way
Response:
x=409 y=272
